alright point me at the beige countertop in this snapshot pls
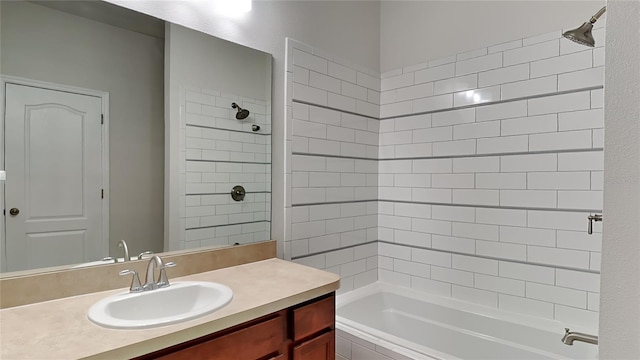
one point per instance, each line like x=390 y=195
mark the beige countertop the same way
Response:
x=60 y=329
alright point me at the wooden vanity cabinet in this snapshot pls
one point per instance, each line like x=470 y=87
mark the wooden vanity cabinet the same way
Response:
x=302 y=332
x=313 y=330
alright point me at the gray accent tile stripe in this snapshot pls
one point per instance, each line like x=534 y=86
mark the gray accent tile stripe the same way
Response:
x=496 y=102
x=230 y=161
x=497 y=154
x=328 y=251
x=333 y=203
x=493 y=206
x=495 y=258
x=452 y=204
x=223 y=225
x=335 y=109
x=451 y=108
x=334 y=156
x=223 y=129
x=564 y=151
x=228 y=193
x=454 y=253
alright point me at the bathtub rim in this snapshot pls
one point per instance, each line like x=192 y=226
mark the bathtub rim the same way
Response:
x=450 y=302
x=418 y=351
x=398 y=345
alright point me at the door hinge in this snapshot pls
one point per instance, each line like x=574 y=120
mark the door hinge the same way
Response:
x=101 y=193
x=102 y=119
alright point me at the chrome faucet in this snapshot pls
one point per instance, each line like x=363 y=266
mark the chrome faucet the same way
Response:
x=123 y=244
x=135 y=281
x=143 y=254
x=150 y=282
x=569 y=337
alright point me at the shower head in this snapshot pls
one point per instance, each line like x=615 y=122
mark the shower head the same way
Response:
x=242 y=113
x=582 y=35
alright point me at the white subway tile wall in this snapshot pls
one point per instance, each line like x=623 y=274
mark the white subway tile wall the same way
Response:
x=220 y=152
x=518 y=177
x=334 y=138
x=485 y=169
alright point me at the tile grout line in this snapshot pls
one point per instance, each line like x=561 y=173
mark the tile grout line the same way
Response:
x=448 y=204
x=223 y=129
x=560 y=151
x=223 y=225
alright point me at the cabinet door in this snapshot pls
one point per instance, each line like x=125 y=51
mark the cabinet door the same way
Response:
x=313 y=318
x=322 y=347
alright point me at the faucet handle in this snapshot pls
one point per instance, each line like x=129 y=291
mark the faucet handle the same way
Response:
x=110 y=258
x=163 y=281
x=135 y=281
x=592 y=218
x=142 y=254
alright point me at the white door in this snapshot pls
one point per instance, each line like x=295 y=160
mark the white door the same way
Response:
x=53 y=191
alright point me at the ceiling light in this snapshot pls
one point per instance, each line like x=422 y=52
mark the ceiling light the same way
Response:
x=232 y=7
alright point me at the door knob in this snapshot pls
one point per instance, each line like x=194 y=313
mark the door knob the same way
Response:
x=14 y=211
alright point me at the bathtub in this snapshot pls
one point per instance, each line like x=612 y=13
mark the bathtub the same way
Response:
x=421 y=326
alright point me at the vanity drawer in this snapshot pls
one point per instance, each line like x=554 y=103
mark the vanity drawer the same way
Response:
x=320 y=347
x=254 y=342
x=314 y=317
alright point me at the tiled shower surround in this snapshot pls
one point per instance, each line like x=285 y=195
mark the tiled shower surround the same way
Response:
x=220 y=152
x=487 y=166
x=332 y=167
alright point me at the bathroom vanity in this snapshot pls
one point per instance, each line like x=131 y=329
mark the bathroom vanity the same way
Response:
x=279 y=310
x=301 y=332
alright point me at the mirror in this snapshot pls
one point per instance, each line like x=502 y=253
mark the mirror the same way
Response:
x=115 y=124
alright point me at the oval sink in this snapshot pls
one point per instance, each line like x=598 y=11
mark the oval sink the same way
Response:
x=180 y=301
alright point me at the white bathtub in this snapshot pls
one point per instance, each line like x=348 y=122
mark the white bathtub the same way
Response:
x=420 y=326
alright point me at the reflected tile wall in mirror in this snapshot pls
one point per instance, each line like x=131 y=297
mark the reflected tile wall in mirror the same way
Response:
x=222 y=152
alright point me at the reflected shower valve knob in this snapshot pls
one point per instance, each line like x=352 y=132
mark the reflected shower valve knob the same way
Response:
x=238 y=193
x=255 y=127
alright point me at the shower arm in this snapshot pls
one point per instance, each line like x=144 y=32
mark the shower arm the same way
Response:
x=595 y=17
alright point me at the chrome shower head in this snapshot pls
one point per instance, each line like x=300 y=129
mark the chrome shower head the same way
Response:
x=582 y=35
x=242 y=113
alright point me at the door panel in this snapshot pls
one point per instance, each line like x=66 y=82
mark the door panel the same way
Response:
x=43 y=249
x=53 y=159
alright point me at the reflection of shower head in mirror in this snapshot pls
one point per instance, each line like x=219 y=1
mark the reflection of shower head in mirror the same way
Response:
x=242 y=113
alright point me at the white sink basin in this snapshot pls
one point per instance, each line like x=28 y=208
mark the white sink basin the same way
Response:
x=181 y=301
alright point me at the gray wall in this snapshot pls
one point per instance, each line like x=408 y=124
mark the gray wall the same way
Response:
x=130 y=67
x=412 y=32
x=620 y=281
x=203 y=61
